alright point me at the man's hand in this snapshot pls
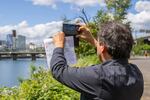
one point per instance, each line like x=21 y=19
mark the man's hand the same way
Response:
x=59 y=40
x=86 y=35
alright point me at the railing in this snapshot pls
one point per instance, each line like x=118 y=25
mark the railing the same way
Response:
x=15 y=55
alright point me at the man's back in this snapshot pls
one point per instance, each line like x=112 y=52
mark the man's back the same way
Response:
x=111 y=80
x=122 y=80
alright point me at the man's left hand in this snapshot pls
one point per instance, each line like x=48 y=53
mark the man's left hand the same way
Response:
x=59 y=40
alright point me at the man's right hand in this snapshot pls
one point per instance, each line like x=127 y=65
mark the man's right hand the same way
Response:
x=86 y=35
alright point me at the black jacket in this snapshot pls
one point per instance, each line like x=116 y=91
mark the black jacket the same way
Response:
x=111 y=80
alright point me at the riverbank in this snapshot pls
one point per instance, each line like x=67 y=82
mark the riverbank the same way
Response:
x=41 y=85
x=11 y=71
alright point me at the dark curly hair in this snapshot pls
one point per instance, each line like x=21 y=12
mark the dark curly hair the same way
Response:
x=118 y=39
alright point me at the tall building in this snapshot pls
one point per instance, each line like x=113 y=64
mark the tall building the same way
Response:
x=14 y=39
x=9 y=41
x=21 y=42
x=2 y=42
x=2 y=45
x=16 y=42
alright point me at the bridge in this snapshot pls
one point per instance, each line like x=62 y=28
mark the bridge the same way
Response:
x=15 y=55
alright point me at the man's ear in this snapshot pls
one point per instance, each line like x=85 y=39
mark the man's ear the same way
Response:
x=102 y=48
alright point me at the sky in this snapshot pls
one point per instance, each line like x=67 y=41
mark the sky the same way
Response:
x=39 y=19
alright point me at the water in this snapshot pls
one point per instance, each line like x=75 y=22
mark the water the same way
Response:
x=11 y=70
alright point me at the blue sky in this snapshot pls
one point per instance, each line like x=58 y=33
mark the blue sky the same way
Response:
x=15 y=11
x=37 y=18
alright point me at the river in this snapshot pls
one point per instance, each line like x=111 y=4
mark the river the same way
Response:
x=11 y=70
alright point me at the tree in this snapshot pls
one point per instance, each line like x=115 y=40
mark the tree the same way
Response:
x=115 y=10
x=85 y=48
x=118 y=8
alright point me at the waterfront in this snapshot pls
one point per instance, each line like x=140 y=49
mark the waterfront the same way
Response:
x=11 y=70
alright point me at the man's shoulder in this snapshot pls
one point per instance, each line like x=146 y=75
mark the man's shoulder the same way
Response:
x=135 y=69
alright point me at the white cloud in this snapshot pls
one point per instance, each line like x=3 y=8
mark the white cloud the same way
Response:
x=142 y=6
x=80 y=3
x=140 y=20
x=43 y=2
x=34 y=33
x=84 y=2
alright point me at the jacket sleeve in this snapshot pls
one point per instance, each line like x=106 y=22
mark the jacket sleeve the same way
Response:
x=80 y=79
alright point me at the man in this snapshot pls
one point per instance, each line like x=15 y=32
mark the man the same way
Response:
x=114 y=79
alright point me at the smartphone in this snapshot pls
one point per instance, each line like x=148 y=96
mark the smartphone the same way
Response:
x=71 y=30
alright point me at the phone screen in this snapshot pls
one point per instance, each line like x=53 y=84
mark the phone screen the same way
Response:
x=70 y=29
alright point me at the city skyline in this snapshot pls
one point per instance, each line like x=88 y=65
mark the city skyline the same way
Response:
x=39 y=19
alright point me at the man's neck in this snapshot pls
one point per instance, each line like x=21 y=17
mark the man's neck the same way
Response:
x=105 y=57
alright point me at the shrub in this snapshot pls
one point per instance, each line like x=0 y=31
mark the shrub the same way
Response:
x=42 y=86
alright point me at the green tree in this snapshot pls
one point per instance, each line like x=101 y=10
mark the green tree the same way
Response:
x=85 y=48
x=140 y=47
x=115 y=10
x=118 y=8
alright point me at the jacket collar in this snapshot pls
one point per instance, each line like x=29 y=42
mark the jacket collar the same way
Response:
x=121 y=61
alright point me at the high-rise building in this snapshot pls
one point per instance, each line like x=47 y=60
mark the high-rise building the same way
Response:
x=14 y=39
x=16 y=42
x=14 y=33
x=9 y=41
x=2 y=42
x=21 y=42
x=2 y=45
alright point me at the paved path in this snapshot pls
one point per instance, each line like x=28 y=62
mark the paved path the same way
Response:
x=144 y=66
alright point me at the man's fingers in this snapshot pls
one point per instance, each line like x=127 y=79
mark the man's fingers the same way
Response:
x=59 y=39
x=80 y=36
x=61 y=33
x=58 y=34
x=81 y=28
x=81 y=24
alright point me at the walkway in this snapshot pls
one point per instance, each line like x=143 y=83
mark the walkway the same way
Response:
x=144 y=66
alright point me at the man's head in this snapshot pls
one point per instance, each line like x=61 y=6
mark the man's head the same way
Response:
x=115 y=39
